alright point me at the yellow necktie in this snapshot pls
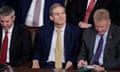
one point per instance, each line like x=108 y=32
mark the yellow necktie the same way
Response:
x=58 y=55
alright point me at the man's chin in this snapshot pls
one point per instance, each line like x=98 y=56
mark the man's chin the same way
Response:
x=100 y=33
x=6 y=28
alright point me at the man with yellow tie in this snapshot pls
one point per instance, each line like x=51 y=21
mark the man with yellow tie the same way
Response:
x=56 y=44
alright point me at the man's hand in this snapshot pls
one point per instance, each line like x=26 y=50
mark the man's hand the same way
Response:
x=35 y=64
x=84 y=25
x=98 y=68
x=82 y=63
x=68 y=65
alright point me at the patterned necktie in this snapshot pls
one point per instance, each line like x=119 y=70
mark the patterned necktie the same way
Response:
x=89 y=10
x=98 y=51
x=3 y=52
x=58 y=55
x=36 y=13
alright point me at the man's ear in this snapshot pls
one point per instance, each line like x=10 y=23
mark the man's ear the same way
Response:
x=51 y=18
x=14 y=18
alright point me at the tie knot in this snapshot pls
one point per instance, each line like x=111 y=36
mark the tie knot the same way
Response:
x=58 y=31
x=6 y=32
x=101 y=36
x=93 y=0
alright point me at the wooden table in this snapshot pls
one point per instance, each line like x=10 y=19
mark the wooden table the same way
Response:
x=41 y=70
x=50 y=70
x=27 y=68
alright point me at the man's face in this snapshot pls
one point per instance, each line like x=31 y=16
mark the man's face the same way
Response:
x=6 y=21
x=58 y=16
x=102 y=26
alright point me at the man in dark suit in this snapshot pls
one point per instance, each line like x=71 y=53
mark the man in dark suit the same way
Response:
x=76 y=10
x=109 y=55
x=22 y=8
x=18 y=50
x=44 y=56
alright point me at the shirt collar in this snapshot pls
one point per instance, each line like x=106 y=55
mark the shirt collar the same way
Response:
x=62 y=29
x=105 y=34
x=10 y=29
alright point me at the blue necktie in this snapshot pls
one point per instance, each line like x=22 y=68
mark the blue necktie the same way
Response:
x=98 y=51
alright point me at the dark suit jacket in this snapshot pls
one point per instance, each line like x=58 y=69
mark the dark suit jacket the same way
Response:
x=76 y=9
x=115 y=12
x=22 y=7
x=43 y=43
x=20 y=45
x=111 y=58
x=2 y=3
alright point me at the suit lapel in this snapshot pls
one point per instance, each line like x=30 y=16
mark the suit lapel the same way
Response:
x=13 y=37
x=0 y=36
x=109 y=37
x=97 y=4
x=85 y=2
x=48 y=38
x=26 y=5
x=67 y=36
x=93 y=37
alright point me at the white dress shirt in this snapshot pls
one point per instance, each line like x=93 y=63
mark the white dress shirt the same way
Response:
x=103 y=47
x=53 y=46
x=9 y=39
x=89 y=3
x=29 y=19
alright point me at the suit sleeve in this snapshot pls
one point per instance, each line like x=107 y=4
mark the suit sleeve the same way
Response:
x=112 y=53
x=112 y=59
x=83 y=50
x=26 y=48
x=37 y=47
x=76 y=46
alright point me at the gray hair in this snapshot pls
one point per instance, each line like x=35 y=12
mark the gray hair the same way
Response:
x=101 y=14
x=7 y=10
x=55 y=5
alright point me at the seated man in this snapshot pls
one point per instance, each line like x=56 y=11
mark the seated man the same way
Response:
x=101 y=46
x=58 y=41
x=15 y=41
